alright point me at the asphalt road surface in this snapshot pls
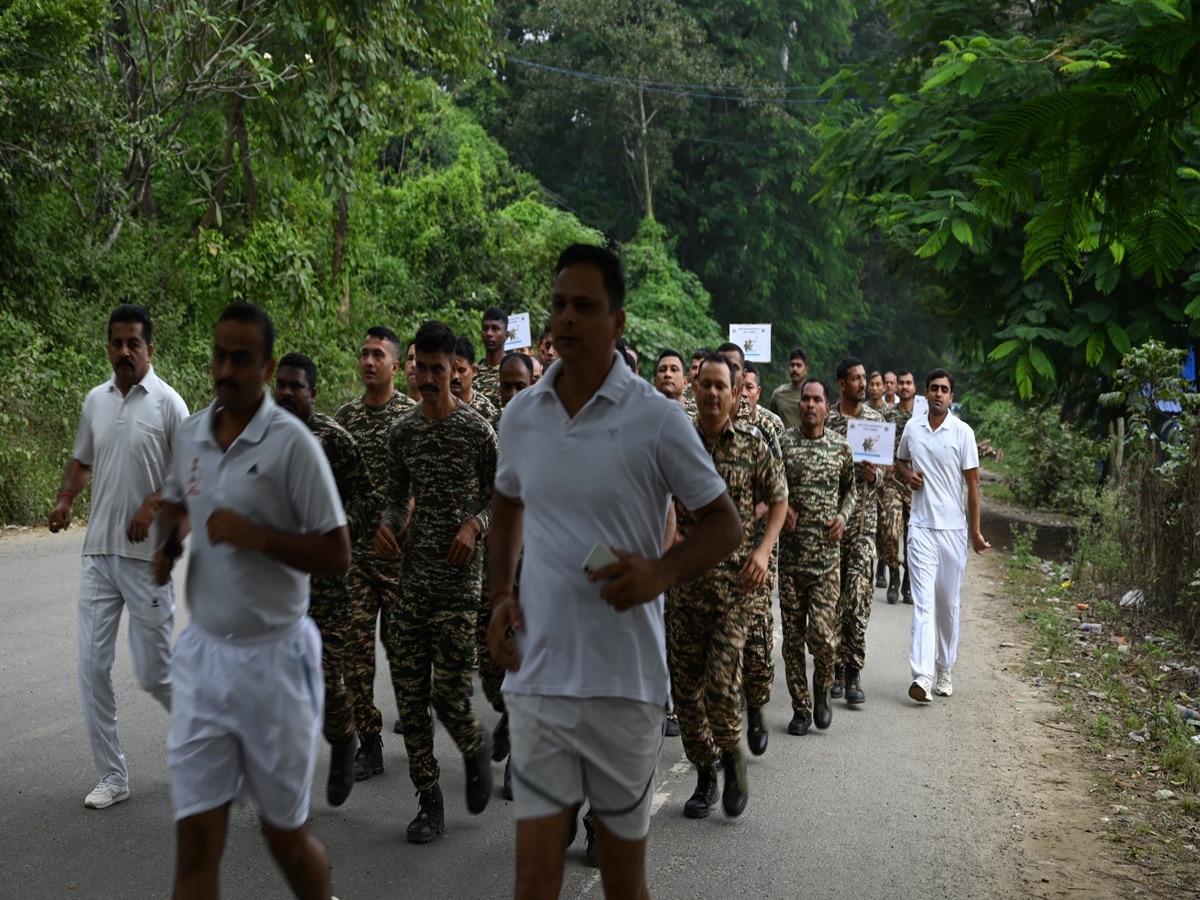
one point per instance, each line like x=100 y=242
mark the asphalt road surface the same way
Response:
x=894 y=801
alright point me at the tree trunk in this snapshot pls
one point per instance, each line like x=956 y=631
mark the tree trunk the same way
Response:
x=341 y=224
x=218 y=194
x=646 y=181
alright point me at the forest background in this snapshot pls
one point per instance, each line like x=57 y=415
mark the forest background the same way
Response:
x=1012 y=189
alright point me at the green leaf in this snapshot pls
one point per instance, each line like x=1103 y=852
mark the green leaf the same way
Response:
x=1024 y=377
x=1005 y=349
x=1041 y=362
x=962 y=232
x=1095 y=348
x=1119 y=338
x=934 y=245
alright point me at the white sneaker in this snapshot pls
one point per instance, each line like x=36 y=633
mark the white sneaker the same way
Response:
x=919 y=691
x=105 y=794
x=943 y=687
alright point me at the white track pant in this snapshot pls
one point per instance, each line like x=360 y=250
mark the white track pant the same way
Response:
x=936 y=563
x=108 y=584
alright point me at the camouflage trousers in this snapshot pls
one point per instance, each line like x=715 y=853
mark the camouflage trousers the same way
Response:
x=431 y=646
x=329 y=607
x=758 y=664
x=895 y=505
x=857 y=589
x=372 y=585
x=808 y=611
x=704 y=652
x=491 y=675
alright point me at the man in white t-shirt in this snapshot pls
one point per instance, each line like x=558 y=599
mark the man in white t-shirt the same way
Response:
x=246 y=719
x=590 y=456
x=939 y=460
x=122 y=445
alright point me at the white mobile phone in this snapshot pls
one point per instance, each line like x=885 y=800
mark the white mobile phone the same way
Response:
x=600 y=557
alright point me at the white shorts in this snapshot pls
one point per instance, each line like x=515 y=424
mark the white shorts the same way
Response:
x=604 y=749
x=246 y=721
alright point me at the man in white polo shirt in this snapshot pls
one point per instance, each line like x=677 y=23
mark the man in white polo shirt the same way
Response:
x=122 y=445
x=246 y=721
x=590 y=456
x=939 y=460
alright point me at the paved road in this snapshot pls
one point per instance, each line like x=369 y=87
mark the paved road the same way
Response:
x=894 y=801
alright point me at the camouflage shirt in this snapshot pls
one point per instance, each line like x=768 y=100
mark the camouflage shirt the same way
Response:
x=766 y=421
x=751 y=473
x=448 y=467
x=487 y=383
x=868 y=491
x=900 y=418
x=359 y=497
x=369 y=426
x=482 y=405
x=820 y=479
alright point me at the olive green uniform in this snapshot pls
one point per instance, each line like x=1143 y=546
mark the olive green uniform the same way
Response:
x=820 y=477
x=895 y=502
x=448 y=467
x=487 y=382
x=709 y=616
x=785 y=403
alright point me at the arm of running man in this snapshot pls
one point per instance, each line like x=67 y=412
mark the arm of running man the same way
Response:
x=978 y=541
x=75 y=479
x=634 y=580
x=847 y=498
x=396 y=512
x=316 y=553
x=169 y=515
x=504 y=551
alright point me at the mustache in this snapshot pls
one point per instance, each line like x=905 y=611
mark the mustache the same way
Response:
x=226 y=383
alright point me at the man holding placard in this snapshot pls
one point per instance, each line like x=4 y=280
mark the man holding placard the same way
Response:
x=937 y=458
x=858 y=542
x=896 y=500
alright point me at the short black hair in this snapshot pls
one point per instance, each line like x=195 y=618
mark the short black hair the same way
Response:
x=627 y=355
x=436 y=336
x=604 y=260
x=383 y=333
x=749 y=368
x=717 y=357
x=846 y=365
x=255 y=315
x=939 y=373
x=523 y=358
x=824 y=388
x=465 y=349
x=900 y=374
x=730 y=347
x=545 y=333
x=873 y=373
x=798 y=353
x=494 y=314
x=669 y=352
x=128 y=312
x=702 y=352
x=302 y=362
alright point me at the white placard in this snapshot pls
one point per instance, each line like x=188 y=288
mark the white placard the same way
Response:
x=920 y=406
x=755 y=341
x=518 y=332
x=872 y=442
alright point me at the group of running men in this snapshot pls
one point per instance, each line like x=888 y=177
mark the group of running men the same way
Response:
x=689 y=488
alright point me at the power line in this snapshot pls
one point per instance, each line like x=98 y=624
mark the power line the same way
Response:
x=700 y=92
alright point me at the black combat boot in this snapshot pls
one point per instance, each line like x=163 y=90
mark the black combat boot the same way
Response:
x=906 y=588
x=822 y=711
x=431 y=817
x=369 y=759
x=704 y=798
x=799 y=725
x=881 y=575
x=893 y=587
x=500 y=742
x=838 y=689
x=854 y=691
x=756 y=732
x=341 y=771
x=737 y=784
x=479 y=777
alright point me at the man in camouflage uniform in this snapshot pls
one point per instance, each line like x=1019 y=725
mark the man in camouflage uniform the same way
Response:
x=758 y=672
x=410 y=365
x=858 y=542
x=329 y=604
x=669 y=377
x=689 y=395
x=876 y=388
x=819 y=468
x=373 y=582
x=442 y=454
x=709 y=616
x=494 y=332
x=462 y=383
x=896 y=501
